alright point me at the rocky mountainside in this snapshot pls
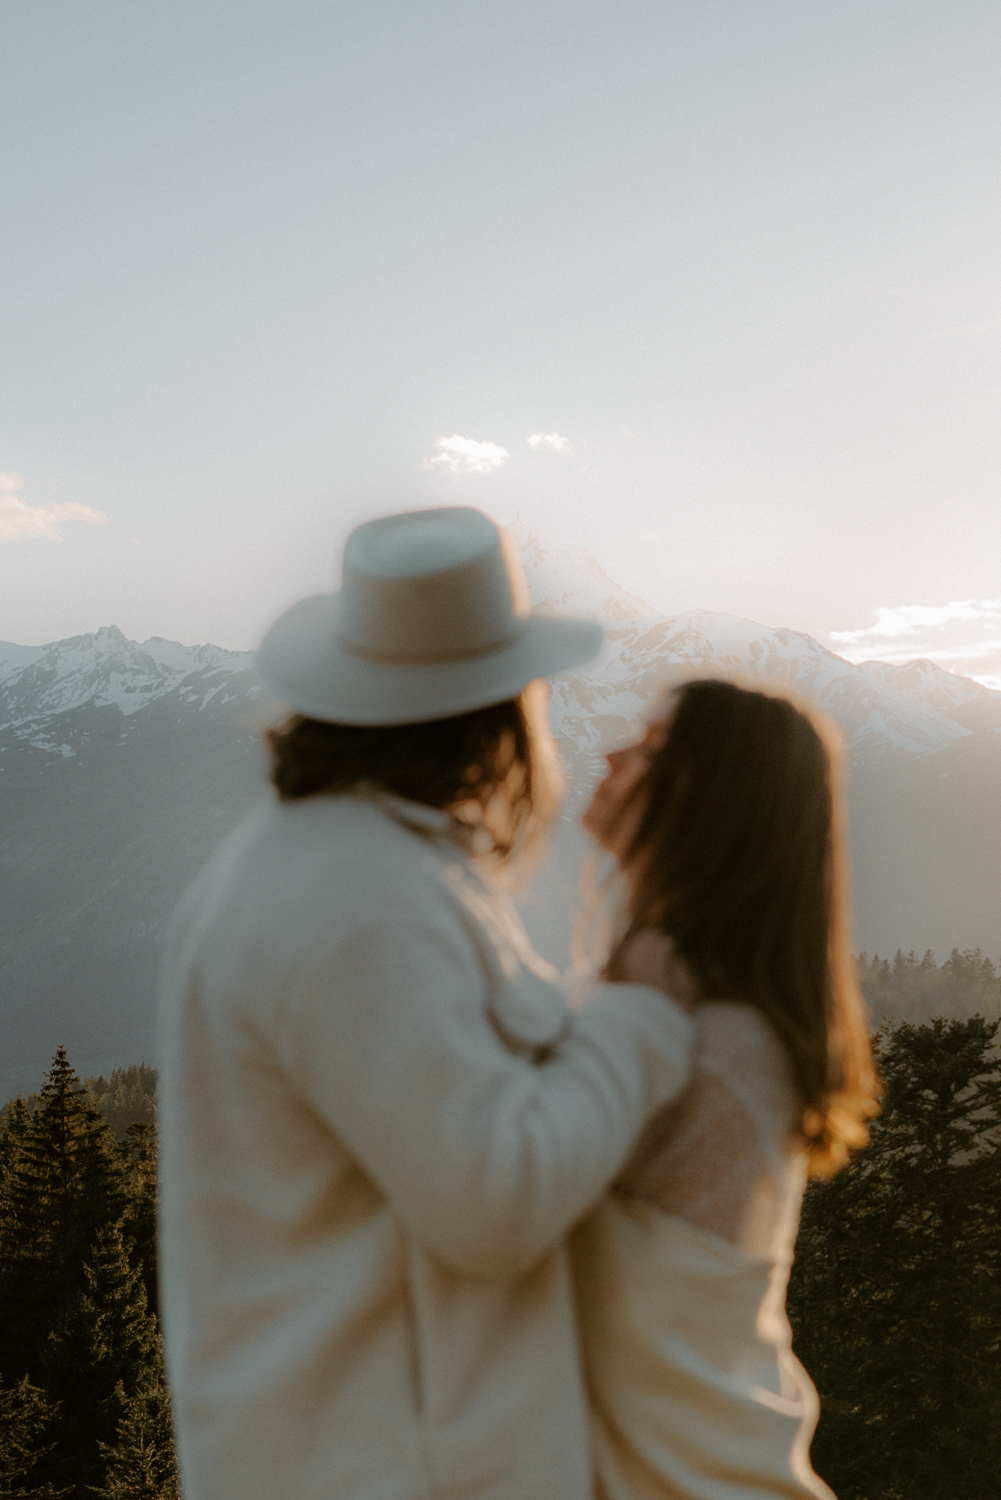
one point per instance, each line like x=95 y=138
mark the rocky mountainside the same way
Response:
x=41 y=683
x=918 y=708
x=122 y=764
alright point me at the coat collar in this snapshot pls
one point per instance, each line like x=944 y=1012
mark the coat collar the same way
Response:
x=433 y=823
x=429 y=821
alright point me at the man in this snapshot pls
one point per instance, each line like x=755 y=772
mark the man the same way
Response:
x=379 y=1118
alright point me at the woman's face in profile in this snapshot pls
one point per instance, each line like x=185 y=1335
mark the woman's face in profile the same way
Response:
x=619 y=801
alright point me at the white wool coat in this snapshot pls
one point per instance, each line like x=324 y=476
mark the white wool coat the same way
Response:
x=378 y=1123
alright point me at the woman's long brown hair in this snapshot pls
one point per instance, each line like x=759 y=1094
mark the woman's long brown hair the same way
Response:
x=741 y=859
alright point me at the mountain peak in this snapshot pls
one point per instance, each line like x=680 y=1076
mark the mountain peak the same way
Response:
x=104 y=667
x=567 y=580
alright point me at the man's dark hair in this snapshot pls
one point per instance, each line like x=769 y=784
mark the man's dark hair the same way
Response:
x=492 y=768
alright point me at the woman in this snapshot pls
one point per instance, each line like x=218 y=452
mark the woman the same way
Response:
x=378 y=1118
x=727 y=823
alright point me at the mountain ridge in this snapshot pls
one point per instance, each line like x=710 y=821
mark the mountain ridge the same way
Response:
x=870 y=699
x=122 y=764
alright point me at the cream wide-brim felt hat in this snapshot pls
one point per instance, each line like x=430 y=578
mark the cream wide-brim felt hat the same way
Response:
x=432 y=620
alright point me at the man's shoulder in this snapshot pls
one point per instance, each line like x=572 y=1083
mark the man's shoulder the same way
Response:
x=321 y=860
x=353 y=837
x=295 y=880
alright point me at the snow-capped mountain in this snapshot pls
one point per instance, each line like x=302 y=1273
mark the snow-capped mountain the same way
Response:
x=123 y=763
x=916 y=708
x=925 y=753
x=121 y=766
x=567 y=580
x=40 y=682
x=959 y=698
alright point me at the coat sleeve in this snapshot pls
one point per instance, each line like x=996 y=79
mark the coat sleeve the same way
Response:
x=486 y=1157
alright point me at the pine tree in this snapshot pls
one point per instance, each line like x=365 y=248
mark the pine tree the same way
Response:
x=108 y=1333
x=141 y=1462
x=73 y=1312
x=25 y=1416
x=64 y=1184
x=77 y=1257
x=139 y=1155
x=896 y=1291
x=124 y=1332
x=13 y=1130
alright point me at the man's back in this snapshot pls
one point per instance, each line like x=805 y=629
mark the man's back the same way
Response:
x=316 y=1348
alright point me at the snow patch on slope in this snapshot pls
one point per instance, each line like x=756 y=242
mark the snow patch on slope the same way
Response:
x=103 y=668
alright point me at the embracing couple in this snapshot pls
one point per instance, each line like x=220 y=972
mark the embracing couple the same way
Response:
x=429 y=1231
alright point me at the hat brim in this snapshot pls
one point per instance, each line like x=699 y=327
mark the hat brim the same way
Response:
x=303 y=663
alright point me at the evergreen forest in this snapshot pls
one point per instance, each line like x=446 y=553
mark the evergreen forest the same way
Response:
x=895 y=1296
x=83 y=1404
x=906 y=988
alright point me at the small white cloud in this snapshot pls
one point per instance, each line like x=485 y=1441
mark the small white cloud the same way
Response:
x=18 y=519
x=554 y=441
x=917 y=619
x=462 y=455
x=962 y=636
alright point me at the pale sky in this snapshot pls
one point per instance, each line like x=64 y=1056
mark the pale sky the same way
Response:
x=711 y=289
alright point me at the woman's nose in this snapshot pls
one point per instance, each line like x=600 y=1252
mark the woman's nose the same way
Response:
x=614 y=758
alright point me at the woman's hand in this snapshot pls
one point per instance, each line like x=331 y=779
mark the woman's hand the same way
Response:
x=649 y=957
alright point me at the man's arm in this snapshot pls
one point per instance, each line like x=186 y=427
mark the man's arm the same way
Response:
x=487 y=1157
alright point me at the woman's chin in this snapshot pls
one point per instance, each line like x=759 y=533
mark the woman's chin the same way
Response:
x=594 y=824
x=590 y=821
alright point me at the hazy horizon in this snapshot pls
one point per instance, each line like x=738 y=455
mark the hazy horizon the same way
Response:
x=896 y=637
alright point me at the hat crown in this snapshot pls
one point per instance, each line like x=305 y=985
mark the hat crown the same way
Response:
x=433 y=620
x=433 y=585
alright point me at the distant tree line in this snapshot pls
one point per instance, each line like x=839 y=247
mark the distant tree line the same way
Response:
x=895 y=1295
x=127 y=1098
x=908 y=988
